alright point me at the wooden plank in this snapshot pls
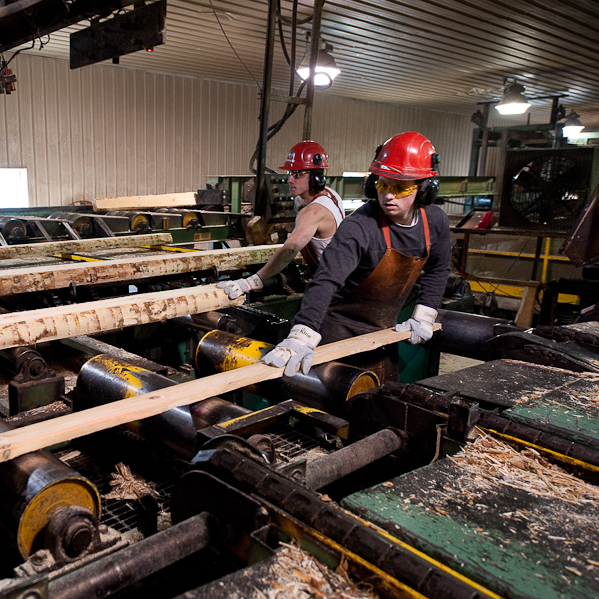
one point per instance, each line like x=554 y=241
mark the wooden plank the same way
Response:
x=527 y=306
x=64 y=428
x=47 y=324
x=166 y=200
x=25 y=280
x=30 y=250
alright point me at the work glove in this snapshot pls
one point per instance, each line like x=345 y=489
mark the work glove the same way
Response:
x=236 y=288
x=421 y=324
x=297 y=348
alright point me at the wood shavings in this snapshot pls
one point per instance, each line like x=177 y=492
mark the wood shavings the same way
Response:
x=298 y=575
x=129 y=486
x=527 y=470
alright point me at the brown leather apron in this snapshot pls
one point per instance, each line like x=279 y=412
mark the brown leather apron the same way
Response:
x=309 y=257
x=375 y=303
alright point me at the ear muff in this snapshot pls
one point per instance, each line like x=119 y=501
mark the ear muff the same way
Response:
x=427 y=191
x=369 y=188
x=317 y=181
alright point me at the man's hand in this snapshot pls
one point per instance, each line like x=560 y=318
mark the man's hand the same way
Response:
x=421 y=324
x=236 y=288
x=298 y=348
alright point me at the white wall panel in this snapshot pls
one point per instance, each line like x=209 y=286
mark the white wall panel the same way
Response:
x=105 y=131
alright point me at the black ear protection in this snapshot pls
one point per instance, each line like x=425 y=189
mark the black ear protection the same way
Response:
x=429 y=188
x=369 y=188
x=427 y=191
x=317 y=180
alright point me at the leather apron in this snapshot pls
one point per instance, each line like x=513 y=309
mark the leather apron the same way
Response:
x=376 y=302
x=309 y=258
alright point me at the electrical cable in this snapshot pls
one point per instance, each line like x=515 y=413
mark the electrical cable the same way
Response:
x=275 y=128
x=231 y=45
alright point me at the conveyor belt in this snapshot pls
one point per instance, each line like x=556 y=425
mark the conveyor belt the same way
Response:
x=517 y=544
x=570 y=411
x=503 y=383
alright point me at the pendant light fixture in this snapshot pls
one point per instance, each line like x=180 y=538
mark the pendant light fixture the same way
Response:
x=572 y=126
x=326 y=69
x=514 y=101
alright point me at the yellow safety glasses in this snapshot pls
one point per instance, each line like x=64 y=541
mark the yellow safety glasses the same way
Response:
x=397 y=188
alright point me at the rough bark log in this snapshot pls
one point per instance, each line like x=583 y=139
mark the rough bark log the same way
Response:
x=26 y=280
x=30 y=250
x=27 y=328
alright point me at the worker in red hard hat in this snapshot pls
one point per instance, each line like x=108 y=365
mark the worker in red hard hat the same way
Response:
x=320 y=212
x=374 y=260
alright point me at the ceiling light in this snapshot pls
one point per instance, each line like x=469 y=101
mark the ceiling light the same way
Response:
x=326 y=70
x=514 y=101
x=572 y=126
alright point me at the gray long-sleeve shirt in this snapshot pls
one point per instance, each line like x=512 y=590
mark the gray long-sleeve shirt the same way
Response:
x=357 y=248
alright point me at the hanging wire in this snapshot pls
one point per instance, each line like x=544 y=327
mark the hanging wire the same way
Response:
x=275 y=128
x=291 y=107
x=5 y=64
x=291 y=61
x=230 y=44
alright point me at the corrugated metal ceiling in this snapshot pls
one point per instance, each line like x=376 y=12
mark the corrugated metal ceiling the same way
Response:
x=445 y=55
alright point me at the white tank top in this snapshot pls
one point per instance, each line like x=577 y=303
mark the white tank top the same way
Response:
x=332 y=201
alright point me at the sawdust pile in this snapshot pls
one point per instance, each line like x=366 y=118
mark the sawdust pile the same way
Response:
x=298 y=575
x=126 y=485
x=528 y=470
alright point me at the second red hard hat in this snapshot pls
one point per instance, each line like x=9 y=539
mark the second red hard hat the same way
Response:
x=306 y=155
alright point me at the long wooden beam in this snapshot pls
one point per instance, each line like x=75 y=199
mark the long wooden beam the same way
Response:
x=32 y=250
x=25 y=280
x=64 y=428
x=48 y=324
x=167 y=200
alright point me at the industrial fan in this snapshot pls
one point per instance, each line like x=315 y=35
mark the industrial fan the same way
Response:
x=547 y=188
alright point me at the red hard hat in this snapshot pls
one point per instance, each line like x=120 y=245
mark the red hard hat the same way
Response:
x=406 y=156
x=306 y=155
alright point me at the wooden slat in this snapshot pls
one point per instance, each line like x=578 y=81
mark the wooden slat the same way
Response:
x=25 y=280
x=167 y=200
x=28 y=250
x=527 y=306
x=27 y=328
x=64 y=428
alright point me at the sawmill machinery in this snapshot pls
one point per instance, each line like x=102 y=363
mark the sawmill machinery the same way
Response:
x=407 y=515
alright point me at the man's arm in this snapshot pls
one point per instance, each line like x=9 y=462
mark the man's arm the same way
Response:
x=306 y=226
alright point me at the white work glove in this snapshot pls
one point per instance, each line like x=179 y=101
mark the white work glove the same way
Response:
x=236 y=288
x=421 y=324
x=297 y=348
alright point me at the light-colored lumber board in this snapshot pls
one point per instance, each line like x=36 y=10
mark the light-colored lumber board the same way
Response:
x=43 y=278
x=65 y=428
x=33 y=250
x=166 y=200
x=527 y=307
x=48 y=324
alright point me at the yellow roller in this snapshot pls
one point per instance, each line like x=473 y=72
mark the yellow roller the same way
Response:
x=326 y=387
x=34 y=486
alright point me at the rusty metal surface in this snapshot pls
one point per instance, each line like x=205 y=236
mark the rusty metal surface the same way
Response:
x=582 y=244
x=501 y=382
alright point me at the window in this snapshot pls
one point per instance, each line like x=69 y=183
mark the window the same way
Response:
x=13 y=188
